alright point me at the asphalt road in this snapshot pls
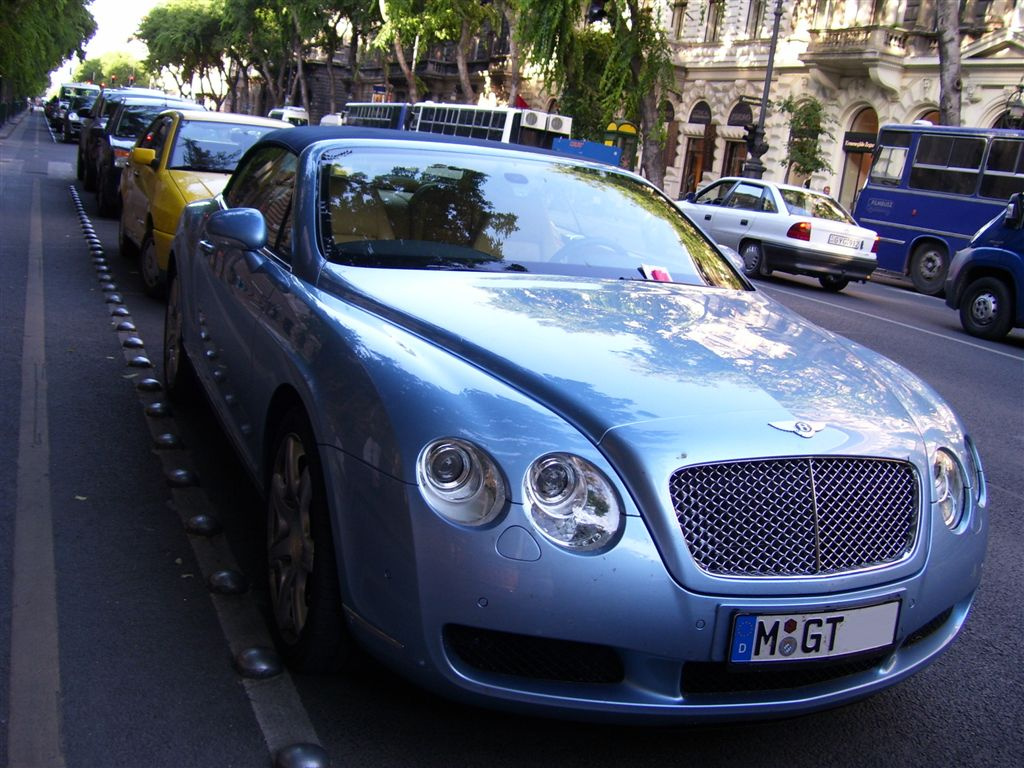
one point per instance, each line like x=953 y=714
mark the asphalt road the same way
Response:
x=114 y=651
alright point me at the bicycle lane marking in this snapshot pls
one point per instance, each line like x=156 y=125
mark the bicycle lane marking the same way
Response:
x=33 y=729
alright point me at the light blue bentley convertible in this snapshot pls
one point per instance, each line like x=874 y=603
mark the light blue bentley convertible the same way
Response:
x=526 y=435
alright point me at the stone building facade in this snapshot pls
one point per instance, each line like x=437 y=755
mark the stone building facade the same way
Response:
x=869 y=62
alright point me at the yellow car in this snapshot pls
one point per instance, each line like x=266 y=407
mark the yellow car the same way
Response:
x=182 y=156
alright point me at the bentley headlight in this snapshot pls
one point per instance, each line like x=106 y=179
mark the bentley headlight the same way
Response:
x=949 y=491
x=460 y=482
x=571 y=502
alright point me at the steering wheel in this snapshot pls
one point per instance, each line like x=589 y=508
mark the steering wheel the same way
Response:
x=592 y=251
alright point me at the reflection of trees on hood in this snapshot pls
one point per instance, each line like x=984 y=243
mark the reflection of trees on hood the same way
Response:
x=710 y=265
x=704 y=336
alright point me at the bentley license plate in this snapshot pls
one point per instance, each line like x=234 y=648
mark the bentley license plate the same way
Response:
x=788 y=637
x=843 y=240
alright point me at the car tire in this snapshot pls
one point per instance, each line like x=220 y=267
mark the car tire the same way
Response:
x=986 y=309
x=308 y=619
x=928 y=266
x=152 y=281
x=753 y=259
x=833 y=283
x=180 y=381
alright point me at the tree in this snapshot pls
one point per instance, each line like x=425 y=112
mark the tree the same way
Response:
x=808 y=123
x=579 y=97
x=630 y=82
x=947 y=23
x=258 y=35
x=184 y=39
x=35 y=38
x=429 y=22
x=115 y=68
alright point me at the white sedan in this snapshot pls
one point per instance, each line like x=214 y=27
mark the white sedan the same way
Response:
x=785 y=228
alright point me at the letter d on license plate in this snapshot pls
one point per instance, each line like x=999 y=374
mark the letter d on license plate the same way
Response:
x=787 y=637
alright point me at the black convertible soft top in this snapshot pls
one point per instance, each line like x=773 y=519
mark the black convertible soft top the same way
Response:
x=297 y=139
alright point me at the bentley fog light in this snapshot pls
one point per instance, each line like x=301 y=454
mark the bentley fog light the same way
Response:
x=949 y=490
x=571 y=502
x=460 y=482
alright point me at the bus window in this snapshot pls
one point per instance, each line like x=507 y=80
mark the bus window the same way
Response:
x=949 y=164
x=888 y=166
x=1004 y=171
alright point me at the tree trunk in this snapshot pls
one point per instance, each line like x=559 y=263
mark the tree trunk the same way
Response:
x=512 y=66
x=354 y=64
x=299 y=83
x=410 y=75
x=332 y=102
x=947 y=22
x=652 y=157
x=465 y=37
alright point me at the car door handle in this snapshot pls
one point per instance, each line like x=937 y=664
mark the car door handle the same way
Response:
x=744 y=222
x=707 y=217
x=206 y=246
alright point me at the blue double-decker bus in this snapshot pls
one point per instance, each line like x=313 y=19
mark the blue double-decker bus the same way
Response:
x=931 y=188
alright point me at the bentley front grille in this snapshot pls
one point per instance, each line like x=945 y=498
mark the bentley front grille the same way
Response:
x=797 y=517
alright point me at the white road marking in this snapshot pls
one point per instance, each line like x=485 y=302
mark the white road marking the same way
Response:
x=945 y=336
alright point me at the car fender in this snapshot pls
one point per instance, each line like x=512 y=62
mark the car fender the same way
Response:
x=973 y=263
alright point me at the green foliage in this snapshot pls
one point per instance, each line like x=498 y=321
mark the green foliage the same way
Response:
x=808 y=123
x=634 y=74
x=579 y=97
x=115 y=68
x=548 y=32
x=185 y=35
x=36 y=38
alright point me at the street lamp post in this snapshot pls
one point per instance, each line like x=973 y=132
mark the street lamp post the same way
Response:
x=753 y=168
x=1015 y=107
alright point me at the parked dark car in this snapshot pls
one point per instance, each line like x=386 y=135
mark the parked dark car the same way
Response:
x=71 y=125
x=130 y=119
x=986 y=279
x=66 y=93
x=524 y=433
x=51 y=109
x=94 y=120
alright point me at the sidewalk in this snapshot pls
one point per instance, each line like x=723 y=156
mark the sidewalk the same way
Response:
x=8 y=128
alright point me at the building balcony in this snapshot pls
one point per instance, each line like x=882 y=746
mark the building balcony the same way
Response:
x=877 y=52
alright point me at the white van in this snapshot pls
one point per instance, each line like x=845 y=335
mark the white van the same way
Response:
x=293 y=115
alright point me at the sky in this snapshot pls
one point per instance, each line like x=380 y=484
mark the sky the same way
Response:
x=116 y=21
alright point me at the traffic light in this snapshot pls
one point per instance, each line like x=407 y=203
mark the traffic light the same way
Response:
x=751 y=136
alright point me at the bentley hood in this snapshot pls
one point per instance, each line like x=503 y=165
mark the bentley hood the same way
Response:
x=645 y=362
